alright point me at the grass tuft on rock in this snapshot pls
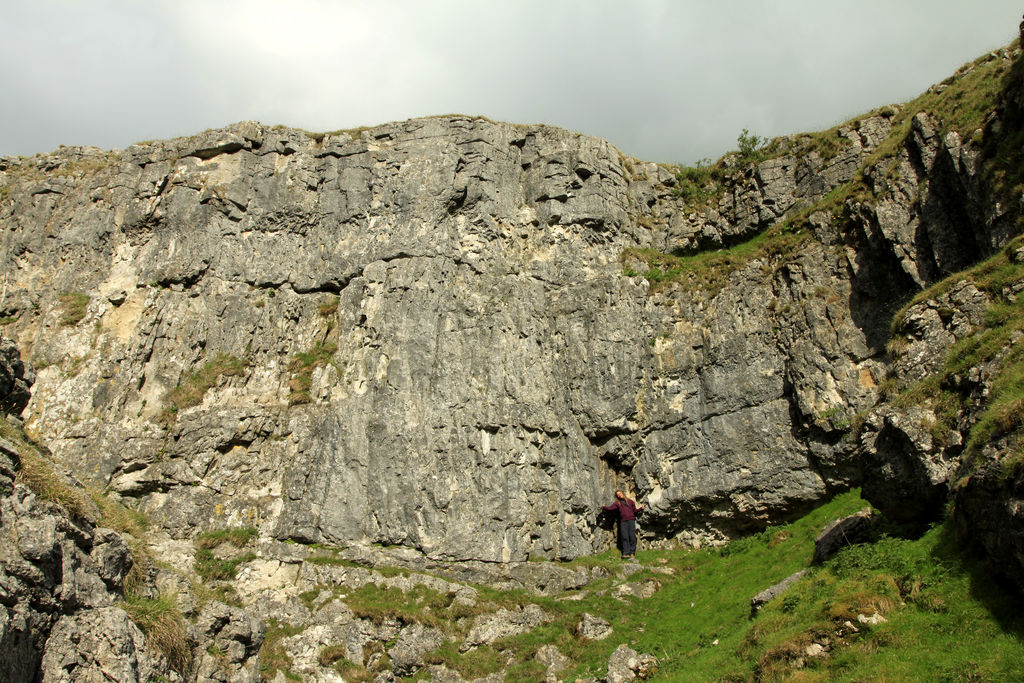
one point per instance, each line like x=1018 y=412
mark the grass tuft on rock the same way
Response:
x=39 y=475
x=236 y=536
x=215 y=560
x=72 y=307
x=192 y=391
x=302 y=366
x=708 y=272
x=164 y=626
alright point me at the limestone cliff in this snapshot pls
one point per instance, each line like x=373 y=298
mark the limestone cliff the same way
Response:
x=462 y=336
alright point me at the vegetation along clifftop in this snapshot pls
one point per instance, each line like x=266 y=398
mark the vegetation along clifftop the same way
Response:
x=301 y=406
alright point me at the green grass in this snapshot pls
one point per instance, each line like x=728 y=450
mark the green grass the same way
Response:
x=72 y=307
x=945 y=612
x=222 y=565
x=192 y=391
x=333 y=656
x=709 y=271
x=935 y=597
x=213 y=568
x=302 y=366
x=696 y=185
x=965 y=99
x=236 y=536
x=947 y=619
x=273 y=656
x=164 y=626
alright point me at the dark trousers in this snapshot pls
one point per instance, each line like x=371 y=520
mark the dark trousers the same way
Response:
x=627 y=536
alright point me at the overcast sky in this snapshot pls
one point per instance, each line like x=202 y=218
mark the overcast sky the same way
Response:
x=669 y=80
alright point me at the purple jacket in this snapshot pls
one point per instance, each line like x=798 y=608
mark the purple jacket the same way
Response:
x=626 y=508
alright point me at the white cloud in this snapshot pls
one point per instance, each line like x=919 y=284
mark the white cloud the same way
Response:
x=667 y=80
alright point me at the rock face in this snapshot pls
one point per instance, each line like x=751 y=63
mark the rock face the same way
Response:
x=772 y=592
x=989 y=512
x=15 y=379
x=433 y=341
x=60 y=574
x=101 y=644
x=422 y=334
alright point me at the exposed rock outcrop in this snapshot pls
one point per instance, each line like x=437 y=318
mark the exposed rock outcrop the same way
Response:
x=61 y=576
x=841 y=533
x=772 y=592
x=421 y=334
x=460 y=337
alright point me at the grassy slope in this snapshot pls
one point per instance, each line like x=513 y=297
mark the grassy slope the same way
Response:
x=948 y=618
x=937 y=601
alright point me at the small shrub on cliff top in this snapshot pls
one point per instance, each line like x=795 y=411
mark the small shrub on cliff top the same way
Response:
x=749 y=144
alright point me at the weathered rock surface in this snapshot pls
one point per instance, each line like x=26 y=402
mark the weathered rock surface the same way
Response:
x=99 y=645
x=593 y=628
x=60 y=575
x=503 y=623
x=552 y=658
x=62 y=588
x=841 y=533
x=412 y=643
x=626 y=665
x=772 y=592
x=230 y=640
x=15 y=379
x=478 y=376
x=990 y=512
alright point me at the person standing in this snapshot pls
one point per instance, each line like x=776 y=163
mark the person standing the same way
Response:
x=627 y=510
